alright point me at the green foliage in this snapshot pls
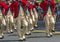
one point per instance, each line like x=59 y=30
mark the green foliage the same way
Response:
x=55 y=0
x=39 y=0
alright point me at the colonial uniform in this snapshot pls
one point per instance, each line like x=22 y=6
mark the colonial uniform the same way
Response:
x=21 y=21
x=3 y=7
x=48 y=6
x=35 y=12
x=1 y=24
x=30 y=7
x=43 y=5
x=9 y=17
x=53 y=4
x=15 y=12
x=28 y=19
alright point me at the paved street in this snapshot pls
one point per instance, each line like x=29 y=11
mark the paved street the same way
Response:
x=34 y=37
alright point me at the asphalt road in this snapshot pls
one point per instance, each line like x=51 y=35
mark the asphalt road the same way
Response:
x=34 y=37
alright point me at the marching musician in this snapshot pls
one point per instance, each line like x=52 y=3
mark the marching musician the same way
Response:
x=28 y=19
x=44 y=5
x=30 y=8
x=15 y=12
x=3 y=9
x=9 y=16
x=36 y=8
x=22 y=23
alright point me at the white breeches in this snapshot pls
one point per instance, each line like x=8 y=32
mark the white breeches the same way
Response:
x=25 y=22
x=49 y=23
x=4 y=22
x=10 y=18
x=30 y=20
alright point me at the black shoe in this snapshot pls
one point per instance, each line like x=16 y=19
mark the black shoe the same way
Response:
x=53 y=30
x=24 y=39
x=51 y=35
x=11 y=32
x=28 y=34
x=2 y=37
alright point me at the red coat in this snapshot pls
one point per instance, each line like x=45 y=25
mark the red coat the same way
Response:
x=14 y=8
x=44 y=6
x=4 y=7
x=24 y=2
x=30 y=6
x=9 y=5
x=53 y=6
x=16 y=0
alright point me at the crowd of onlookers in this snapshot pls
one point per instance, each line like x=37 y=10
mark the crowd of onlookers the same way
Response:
x=58 y=9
